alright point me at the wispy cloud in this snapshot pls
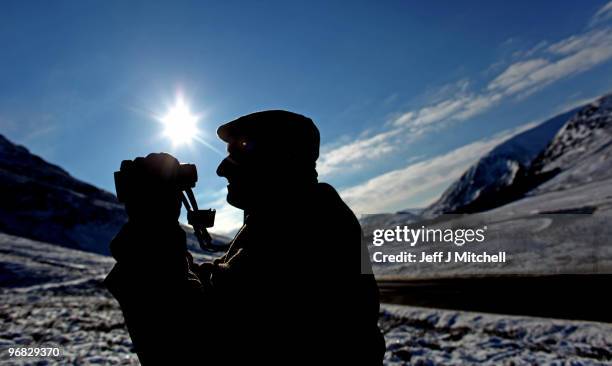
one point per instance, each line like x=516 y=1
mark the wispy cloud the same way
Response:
x=356 y=153
x=40 y=132
x=523 y=54
x=516 y=73
x=431 y=114
x=604 y=14
x=402 y=187
x=449 y=103
x=565 y=58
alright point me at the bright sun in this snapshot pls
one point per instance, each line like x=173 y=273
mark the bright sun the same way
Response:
x=180 y=125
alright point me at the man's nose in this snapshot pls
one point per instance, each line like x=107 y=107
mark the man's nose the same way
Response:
x=225 y=167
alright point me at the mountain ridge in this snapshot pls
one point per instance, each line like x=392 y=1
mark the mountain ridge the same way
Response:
x=42 y=201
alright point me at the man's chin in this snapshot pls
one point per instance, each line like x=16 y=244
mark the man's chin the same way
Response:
x=235 y=201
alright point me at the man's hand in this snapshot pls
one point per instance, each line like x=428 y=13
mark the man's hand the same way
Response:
x=153 y=199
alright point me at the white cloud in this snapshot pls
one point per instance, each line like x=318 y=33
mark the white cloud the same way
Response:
x=354 y=154
x=516 y=73
x=577 y=62
x=602 y=15
x=438 y=112
x=578 y=53
x=579 y=42
x=400 y=188
x=404 y=118
x=477 y=105
x=532 y=51
x=457 y=108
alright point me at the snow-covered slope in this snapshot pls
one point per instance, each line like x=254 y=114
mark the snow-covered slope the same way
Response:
x=54 y=296
x=498 y=169
x=559 y=232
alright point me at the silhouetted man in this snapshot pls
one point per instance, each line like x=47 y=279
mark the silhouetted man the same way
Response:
x=287 y=290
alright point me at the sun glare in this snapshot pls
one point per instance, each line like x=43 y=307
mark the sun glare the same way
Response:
x=180 y=125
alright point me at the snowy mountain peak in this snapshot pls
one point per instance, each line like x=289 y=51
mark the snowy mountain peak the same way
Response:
x=581 y=152
x=585 y=133
x=478 y=186
x=570 y=149
x=17 y=161
x=41 y=201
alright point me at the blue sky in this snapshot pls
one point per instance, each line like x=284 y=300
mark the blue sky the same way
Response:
x=407 y=94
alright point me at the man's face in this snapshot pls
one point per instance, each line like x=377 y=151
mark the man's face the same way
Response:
x=239 y=168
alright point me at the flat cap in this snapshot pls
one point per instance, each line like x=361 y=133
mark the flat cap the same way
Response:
x=285 y=134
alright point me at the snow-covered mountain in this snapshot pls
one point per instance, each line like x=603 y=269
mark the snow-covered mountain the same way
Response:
x=550 y=214
x=41 y=201
x=523 y=162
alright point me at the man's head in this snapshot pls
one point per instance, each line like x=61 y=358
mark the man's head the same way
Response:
x=269 y=152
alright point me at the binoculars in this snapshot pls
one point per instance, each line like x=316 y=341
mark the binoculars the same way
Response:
x=180 y=177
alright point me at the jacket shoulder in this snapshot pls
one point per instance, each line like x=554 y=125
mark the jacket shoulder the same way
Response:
x=332 y=201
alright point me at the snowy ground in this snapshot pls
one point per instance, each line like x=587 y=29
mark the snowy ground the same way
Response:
x=53 y=296
x=550 y=233
x=420 y=336
x=80 y=318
